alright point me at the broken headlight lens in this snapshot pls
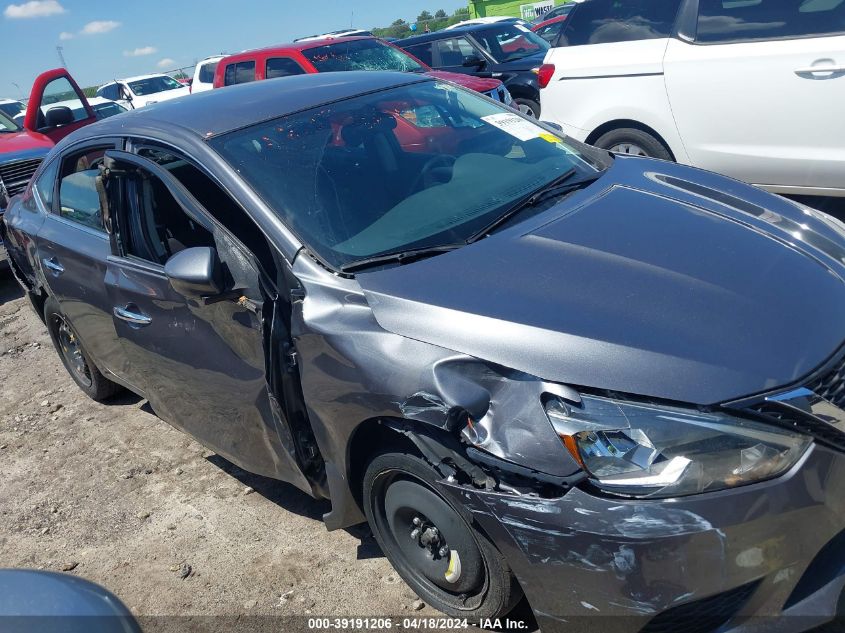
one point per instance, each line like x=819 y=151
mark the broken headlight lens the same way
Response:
x=647 y=451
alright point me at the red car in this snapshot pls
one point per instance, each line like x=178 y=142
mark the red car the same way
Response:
x=550 y=30
x=330 y=55
x=413 y=123
x=23 y=148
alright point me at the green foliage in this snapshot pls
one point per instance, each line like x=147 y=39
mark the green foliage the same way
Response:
x=400 y=29
x=90 y=91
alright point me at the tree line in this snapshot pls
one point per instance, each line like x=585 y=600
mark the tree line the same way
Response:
x=440 y=20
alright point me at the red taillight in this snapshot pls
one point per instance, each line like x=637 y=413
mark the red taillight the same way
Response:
x=544 y=76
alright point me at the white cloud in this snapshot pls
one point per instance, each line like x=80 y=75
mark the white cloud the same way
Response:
x=34 y=9
x=166 y=63
x=140 y=52
x=99 y=26
x=64 y=35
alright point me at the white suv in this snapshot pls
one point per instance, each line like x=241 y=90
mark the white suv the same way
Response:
x=754 y=89
x=204 y=74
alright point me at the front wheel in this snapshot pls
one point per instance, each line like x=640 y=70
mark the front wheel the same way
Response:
x=633 y=142
x=431 y=544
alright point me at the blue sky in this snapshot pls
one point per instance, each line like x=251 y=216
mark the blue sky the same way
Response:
x=105 y=40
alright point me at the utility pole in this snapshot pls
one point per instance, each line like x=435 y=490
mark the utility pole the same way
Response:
x=59 y=49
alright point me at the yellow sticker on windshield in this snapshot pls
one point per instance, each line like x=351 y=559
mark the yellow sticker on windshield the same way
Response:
x=551 y=138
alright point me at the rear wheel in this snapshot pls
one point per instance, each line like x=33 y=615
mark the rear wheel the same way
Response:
x=633 y=142
x=74 y=357
x=432 y=544
x=528 y=106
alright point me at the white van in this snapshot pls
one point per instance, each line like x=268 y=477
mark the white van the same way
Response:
x=750 y=88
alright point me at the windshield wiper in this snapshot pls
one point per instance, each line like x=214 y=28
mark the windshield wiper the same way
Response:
x=560 y=185
x=399 y=257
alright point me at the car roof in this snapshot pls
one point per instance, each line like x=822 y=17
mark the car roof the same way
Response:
x=293 y=47
x=444 y=34
x=216 y=112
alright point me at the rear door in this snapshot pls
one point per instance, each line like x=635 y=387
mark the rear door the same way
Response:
x=201 y=363
x=758 y=95
x=49 y=88
x=73 y=247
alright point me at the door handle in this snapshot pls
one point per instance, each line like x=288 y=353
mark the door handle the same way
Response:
x=818 y=70
x=52 y=264
x=131 y=316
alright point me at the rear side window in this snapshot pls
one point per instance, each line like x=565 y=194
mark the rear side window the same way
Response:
x=207 y=72
x=606 y=21
x=738 y=20
x=281 y=67
x=79 y=200
x=422 y=52
x=239 y=73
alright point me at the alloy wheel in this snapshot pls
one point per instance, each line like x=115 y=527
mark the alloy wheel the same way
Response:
x=631 y=149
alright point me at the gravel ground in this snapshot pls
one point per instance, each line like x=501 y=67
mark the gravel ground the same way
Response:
x=115 y=495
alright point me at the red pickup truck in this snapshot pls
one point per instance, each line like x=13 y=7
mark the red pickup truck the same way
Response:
x=339 y=54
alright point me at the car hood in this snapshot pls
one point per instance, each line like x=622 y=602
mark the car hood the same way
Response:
x=166 y=95
x=479 y=84
x=658 y=280
x=23 y=142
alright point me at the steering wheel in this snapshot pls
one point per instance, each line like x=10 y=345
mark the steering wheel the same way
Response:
x=432 y=166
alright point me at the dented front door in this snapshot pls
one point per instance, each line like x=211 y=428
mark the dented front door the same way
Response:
x=201 y=364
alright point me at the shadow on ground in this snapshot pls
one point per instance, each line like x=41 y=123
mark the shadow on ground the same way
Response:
x=9 y=288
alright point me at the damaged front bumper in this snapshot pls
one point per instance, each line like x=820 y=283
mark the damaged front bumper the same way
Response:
x=737 y=558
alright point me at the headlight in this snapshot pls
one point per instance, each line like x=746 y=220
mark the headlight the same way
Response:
x=648 y=451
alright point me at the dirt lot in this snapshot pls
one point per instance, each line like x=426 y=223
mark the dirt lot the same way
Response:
x=113 y=494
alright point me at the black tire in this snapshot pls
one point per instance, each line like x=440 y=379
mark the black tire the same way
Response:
x=398 y=485
x=74 y=357
x=529 y=104
x=634 y=138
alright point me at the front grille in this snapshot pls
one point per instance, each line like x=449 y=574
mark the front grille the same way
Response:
x=702 y=616
x=16 y=174
x=831 y=387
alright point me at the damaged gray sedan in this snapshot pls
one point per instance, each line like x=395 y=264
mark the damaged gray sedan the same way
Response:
x=611 y=385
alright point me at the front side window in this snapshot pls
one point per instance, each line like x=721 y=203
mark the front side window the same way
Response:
x=360 y=55
x=152 y=85
x=281 y=67
x=79 y=200
x=606 y=21
x=511 y=42
x=349 y=178
x=738 y=20
x=239 y=73
x=422 y=52
x=153 y=226
x=453 y=52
